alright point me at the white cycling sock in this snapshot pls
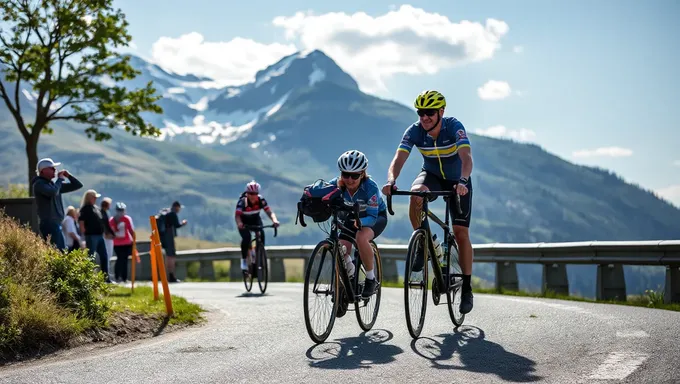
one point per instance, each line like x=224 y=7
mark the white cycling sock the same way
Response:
x=348 y=259
x=370 y=275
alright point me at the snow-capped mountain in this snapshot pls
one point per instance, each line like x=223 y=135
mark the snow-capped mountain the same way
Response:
x=196 y=109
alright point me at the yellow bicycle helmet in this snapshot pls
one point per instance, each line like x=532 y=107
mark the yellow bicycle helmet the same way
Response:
x=430 y=99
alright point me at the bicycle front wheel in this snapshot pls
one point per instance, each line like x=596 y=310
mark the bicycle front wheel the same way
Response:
x=321 y=292
x=415 y=283
x=367 y=309
x=454 y=288
x=262 y=268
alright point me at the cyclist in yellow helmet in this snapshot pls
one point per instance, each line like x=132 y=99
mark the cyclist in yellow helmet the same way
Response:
x=447 y=162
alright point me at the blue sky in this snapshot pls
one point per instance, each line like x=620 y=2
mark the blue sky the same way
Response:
x=582 y=75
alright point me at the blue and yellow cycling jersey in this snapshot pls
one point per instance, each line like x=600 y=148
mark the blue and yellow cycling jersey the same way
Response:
x=440 y=157
x=369 y=194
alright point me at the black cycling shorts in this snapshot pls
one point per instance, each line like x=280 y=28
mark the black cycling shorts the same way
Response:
x=378 y=227
x=434 y=183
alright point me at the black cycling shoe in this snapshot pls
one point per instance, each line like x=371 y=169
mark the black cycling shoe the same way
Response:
x=418 y=262
x=466 y=302
x=369 y=288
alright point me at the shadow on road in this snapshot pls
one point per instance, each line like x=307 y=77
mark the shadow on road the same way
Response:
x=476 y=355
x=362 y=351
x=252 y=294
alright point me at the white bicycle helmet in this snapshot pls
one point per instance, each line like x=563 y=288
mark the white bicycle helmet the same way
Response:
x=253 y=187
x=352 y=161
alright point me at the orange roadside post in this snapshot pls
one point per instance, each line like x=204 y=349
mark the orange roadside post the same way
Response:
x=152 y=253
x=135 y=259
x=161 y=267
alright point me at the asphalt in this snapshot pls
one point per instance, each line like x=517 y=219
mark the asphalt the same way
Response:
x=252 y=338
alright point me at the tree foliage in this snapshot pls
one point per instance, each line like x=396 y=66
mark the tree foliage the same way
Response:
x=66 y=52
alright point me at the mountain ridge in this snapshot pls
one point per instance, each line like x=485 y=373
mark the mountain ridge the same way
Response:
x=522 y=193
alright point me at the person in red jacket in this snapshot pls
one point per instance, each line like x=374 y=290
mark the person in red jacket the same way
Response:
x=124 y=232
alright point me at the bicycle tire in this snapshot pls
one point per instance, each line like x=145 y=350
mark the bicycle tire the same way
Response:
x=410 y=256
x=454 y=295
x=248 y=277
x=262 y=268
x=377 y=266
x=335 y=284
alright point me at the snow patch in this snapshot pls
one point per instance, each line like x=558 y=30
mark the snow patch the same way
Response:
x=201 y=105
x=175 y=90
x=276 y=71
x=316 y=75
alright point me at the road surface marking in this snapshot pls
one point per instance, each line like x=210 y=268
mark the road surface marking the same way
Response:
x=618 y=365
x=632 y=333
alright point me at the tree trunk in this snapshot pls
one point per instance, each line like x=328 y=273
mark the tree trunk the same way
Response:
x=32 y=156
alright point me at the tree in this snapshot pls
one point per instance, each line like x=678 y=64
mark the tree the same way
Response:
x=62 y=50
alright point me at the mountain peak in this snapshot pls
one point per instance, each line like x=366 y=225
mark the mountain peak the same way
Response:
x=311 y=65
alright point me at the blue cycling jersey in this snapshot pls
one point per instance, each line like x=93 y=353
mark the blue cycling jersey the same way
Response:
x=440 y=157
x=368 y=193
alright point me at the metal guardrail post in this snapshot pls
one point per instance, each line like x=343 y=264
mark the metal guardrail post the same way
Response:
x=555 y=279
x=506 y=276
x=611 y=283
x=672 y=288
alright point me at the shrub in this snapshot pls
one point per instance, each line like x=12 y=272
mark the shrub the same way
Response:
x=77 y=286
x=46 y=296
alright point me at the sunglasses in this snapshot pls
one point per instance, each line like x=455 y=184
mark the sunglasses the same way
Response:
x=353 y=176
x=428 y=112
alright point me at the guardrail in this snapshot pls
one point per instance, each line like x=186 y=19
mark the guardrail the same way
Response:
x=608 y=256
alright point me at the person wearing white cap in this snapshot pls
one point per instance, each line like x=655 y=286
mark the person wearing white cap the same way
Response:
x=47 y=194
x=92 y=225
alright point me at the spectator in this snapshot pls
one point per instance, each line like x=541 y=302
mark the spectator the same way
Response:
x=48 y=199
x=92 y=226
x=73 y=240
x=122 y=243
x=171 y=224
x=108 y=231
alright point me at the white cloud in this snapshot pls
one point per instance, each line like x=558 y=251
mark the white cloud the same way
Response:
x=670 y=193
x=518 y=49
x=494 y=90
x=408 y=40
x=500 y=131
x=232 y=62
x=604 y=151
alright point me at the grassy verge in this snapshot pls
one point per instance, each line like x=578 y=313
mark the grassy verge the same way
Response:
x=50 y=300
x=142 y=302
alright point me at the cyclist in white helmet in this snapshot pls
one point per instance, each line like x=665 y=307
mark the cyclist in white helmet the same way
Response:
x=248 y=209
x=357 y=185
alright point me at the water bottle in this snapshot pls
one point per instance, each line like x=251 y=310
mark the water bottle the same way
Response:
x=437 y=249
x=445 y=248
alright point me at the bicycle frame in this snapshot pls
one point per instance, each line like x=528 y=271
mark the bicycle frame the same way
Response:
x=334 y=238
x=449 y=237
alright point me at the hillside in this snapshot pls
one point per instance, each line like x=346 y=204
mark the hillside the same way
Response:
x=287 y=128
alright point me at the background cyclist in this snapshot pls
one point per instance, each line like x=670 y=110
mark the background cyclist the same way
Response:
x=248 y=209
x=358 y=186
x=447 y=160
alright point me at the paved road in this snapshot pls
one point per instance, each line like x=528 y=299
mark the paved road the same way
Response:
x=252 y=338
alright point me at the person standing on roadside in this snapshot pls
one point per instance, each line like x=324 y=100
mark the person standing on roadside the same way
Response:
x=108 y=231
x=48 y=199
x=92 y=226
x=122 y=243
x=73 y=240
x=171 y=223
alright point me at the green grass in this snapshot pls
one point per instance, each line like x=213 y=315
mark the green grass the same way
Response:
x=142 y=302
x=651 y=299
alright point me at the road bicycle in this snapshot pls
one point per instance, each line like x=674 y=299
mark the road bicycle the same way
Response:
x=339 y=290
x=257 y=259
x=444 y=280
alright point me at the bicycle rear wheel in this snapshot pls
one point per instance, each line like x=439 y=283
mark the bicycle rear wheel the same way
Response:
x=367 y=309
x=262 y=268
x=415 y=284
x=321 y=291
